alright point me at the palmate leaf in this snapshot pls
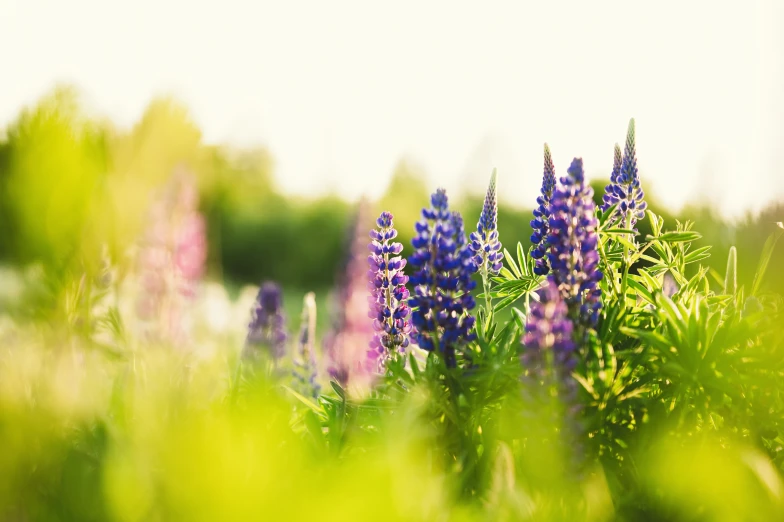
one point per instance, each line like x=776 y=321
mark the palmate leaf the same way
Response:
x=515 y=281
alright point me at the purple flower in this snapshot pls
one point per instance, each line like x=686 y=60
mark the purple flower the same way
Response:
x=443 y=265
x=485 y=242
x=609 y=198
x=540 y=222
x=345 y=346
x=172 y=255
x=388 y=293
x=549 y=329
x=267 y=328
x=624 y=188
x=573 y=241
x=305 y=368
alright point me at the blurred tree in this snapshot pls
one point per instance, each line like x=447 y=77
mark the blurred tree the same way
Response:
x=54 y=168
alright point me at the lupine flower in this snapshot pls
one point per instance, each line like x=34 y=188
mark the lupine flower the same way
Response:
x=443 y=264
x=540 y=223
x=573 y=240
x=626 y=190
x=345 y=346
x=548 y=327
x=388 y=293
x=171 y=260
x=267 y=328
x=305 y=368
x=609 y=198
x=549 y=357
x=485 y=242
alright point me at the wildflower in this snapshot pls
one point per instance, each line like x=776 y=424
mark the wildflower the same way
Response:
x=548 y=327
x=443 y=265
x=171 y=260
x=267 y=328
x=549 y=358
x=345 y=345
x=540 y=222
x=626 y=190
x=388 y=293
x=485 y=242
x=305 y=368
x=609 y=198
x=573 y=240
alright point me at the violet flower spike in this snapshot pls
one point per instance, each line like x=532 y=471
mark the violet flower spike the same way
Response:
x=549 y=329
x=609 y=198
x=305 y=368
x=625 y=190
x=267 y=329
x=573 y=251
x=443 y=265
x=388 y=293
x=345 y=345
x=540 y=223
x=485 y=243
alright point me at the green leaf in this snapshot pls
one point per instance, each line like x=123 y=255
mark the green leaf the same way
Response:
x=677 y=237
x=652 y=339
x=655 y=222
x=767 y=253
x=521 y=259
x=341 y=393
x=512 y=265
x=697 y=255
x=304 y=400
x=620 y=231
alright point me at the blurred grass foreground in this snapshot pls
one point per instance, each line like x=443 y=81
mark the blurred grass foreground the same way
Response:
x=119 y=389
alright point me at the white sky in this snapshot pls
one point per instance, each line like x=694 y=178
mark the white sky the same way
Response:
x=339 y=91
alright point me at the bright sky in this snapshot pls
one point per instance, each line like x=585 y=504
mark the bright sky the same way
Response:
x=339 y=91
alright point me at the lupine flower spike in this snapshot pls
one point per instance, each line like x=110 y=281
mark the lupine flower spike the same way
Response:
x=388 y=293
x=485 y=242
x=345 y=346
x=610 y=198
x=267 y=329
x=171 y=260
x=305 y=368
x=443 y=265
x=549 y=357
x=626 y=190
x=573 y=253
x=540 y=223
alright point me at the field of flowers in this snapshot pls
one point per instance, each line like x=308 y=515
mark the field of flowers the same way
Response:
x=601 y=374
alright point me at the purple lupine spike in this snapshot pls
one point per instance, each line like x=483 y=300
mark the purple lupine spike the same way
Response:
x=573 y=251
x=267 y=328
x=443 y=265
x=540 y=222
x=625 y=190
x=388 y=293
x=345 y=345
x=305 y=368
x=485 y=242
x=609 y=198
x=171 y=260
x=549 y=329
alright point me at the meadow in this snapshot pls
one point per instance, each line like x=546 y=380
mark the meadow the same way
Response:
x=182 y=342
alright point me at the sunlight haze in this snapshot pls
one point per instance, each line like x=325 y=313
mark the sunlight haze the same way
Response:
x=339 y=92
